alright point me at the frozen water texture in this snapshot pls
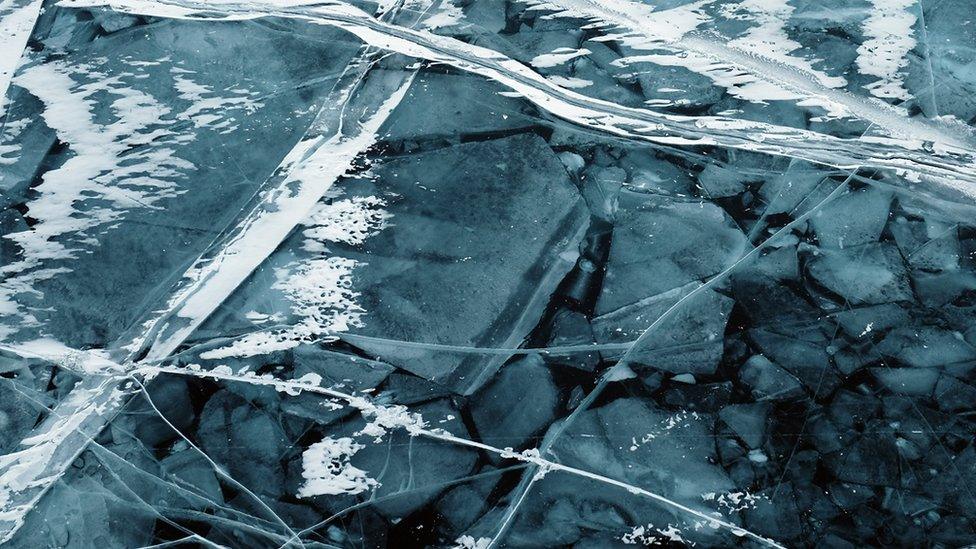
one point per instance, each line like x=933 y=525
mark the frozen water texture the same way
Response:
x=487 y=273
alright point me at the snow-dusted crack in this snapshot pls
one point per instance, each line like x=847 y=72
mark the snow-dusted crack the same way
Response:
x=304 y=176
x=946 y=161
x=757 y=66
x=341 y=131
x=386 y=418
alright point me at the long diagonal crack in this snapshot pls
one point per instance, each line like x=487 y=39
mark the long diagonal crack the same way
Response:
x=533 y=458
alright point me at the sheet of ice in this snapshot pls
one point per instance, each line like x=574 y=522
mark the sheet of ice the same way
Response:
x=103 y=169
x=303 y=178
x=289 y=196
x=17 y=19
x=468 y=305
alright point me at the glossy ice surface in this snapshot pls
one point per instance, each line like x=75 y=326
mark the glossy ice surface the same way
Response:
x=487 y=273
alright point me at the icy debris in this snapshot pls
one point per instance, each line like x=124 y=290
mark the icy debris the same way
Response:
x=748 y=421
x=853 y=219
x=649 y=536
x=247 y=440
x=907 y=381
x=480 y=227
x=573 y=329
x=327 y=471
x=687 y=340
x=626 y=420
x=18 y=412
x=867 y=321
x=775 y=513
x=953 y=395
x=601 y=186
x=414 y=470
x=338 y=370
x=674 y=421
x=733 y=501
x=926 y=346
x=720 y=182
x=928 y=245
x=793 y=190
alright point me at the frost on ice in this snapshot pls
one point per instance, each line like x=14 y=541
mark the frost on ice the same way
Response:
x=327 y=470
x=543 y=273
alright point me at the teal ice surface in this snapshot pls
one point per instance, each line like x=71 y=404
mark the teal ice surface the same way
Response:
x=490 y=273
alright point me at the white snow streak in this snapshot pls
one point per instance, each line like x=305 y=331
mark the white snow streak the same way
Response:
x=768 y=39
x=96 y=172
x=889 y=37
x=209 y=109
x=17 y=18
x=350 y=221
x=903 y=153
x=557 y=57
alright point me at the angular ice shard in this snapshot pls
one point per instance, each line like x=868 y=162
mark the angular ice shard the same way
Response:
x=480 y=235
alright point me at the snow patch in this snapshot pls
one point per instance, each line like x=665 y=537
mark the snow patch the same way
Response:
x=328 y=472
x=568 y=81
x=889 y=32
x=468 y=542
x=557 y=57
x=17 y=18
x=769 y=39
x=209 y=109
x=114 y=167
x=349 y=221
x=649 y=535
